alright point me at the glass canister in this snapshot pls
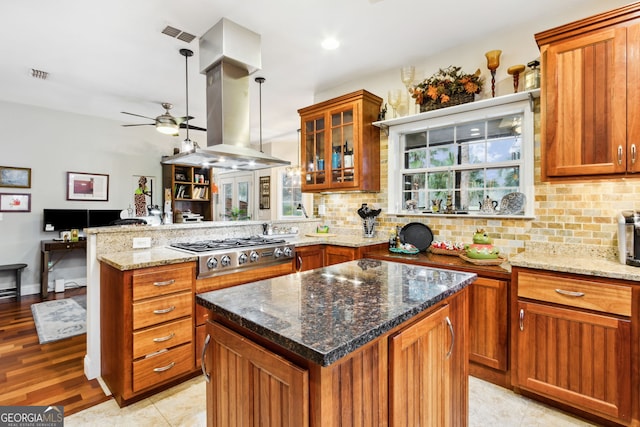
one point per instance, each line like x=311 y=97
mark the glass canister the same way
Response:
x=532 y=76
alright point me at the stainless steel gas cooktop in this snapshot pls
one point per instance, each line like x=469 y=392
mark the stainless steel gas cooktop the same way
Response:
x=217 y=257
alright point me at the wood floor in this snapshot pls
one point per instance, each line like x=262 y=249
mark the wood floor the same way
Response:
x=48 y=374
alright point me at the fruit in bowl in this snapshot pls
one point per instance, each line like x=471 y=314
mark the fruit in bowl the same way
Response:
x=481 y=247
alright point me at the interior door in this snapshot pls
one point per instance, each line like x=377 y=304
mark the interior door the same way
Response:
x=236 y=201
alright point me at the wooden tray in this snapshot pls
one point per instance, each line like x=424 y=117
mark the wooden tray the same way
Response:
x=495 y=261
x=440 y=251
x=321 y=234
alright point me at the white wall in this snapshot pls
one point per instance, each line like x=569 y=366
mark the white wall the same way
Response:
x=53 y=143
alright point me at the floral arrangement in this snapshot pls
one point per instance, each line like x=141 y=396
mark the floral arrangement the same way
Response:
x=446 y=84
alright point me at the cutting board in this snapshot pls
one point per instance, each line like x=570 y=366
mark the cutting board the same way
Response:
x=321 y=234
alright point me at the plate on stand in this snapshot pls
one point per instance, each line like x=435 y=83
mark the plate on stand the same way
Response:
x=512 y=204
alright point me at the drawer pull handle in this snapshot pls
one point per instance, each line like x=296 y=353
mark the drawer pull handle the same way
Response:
x=165 y=368
x=633 y=154
x=453 y=337
x=203 y=364
x=163 y=339
x=165 y=283
x=522 y=319
x=570 y=293
x=165 y=310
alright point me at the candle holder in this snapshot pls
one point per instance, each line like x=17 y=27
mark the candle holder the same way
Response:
x=493 y=62
x=515 y=71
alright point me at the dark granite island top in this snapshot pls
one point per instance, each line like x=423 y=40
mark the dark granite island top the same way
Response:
x=327 y=313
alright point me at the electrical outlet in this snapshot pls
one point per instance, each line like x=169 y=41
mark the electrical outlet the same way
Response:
x=141 y=242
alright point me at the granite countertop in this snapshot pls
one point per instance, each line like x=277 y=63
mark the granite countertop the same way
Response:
x=163 y=255
x=141 y=258
x=327 y=313
x=587 y=265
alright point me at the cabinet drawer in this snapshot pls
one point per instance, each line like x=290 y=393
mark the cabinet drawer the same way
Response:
x=160 y=337
x=161 y=281
x=160 y=367
x=162 y=309
x=575 y=292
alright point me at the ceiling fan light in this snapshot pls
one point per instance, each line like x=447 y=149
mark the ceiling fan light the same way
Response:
x=168 y=127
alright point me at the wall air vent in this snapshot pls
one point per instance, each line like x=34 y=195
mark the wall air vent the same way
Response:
x=178 y=34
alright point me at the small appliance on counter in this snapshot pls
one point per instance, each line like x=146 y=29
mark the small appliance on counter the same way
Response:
x=629 y=238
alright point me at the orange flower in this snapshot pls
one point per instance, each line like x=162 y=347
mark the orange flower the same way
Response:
x=444 y=98
x=432 y=92
x=471 y=87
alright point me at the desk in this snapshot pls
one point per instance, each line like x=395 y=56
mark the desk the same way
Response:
x=49 y=246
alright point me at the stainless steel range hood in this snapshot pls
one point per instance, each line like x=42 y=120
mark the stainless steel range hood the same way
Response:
x=229 y=53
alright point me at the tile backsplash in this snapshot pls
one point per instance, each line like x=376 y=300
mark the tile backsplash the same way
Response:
x=580 y=213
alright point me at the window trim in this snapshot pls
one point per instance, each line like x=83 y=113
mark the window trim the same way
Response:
x=481 y=110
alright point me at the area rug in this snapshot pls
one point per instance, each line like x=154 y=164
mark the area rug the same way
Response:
x=59 y=319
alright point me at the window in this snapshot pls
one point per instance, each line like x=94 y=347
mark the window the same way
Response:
x=462 y=159
x=290 y=196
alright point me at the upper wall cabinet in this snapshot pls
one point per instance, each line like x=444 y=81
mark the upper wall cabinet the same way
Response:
x=590 y=101
x=339 y=145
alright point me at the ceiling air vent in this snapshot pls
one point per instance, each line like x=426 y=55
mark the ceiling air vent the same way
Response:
x=39 y=74
x=179 y=34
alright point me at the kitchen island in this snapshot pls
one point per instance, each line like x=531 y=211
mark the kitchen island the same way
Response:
x=365 y=342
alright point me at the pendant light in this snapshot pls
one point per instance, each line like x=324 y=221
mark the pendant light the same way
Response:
x=187 y=144
x=260 y=80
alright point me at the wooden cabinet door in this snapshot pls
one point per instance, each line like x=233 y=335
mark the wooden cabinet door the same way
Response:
x=576 y=357
x=420 y=372
x=251 y=386
x=338 y=254
x=309 y=257
x=584 y=96
x=488 y=323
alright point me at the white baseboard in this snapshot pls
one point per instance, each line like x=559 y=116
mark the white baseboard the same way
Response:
x=34 y=288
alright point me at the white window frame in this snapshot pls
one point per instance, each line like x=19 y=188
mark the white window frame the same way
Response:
x=521 y=103
x=280 y=197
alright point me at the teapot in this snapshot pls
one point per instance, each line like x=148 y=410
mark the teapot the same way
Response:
x=488 y=205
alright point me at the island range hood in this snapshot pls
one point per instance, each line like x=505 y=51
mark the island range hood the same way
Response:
x=229 y=53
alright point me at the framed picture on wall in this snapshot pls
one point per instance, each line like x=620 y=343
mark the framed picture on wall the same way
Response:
x=15 y=202
x=87 y=186
x=15 y=177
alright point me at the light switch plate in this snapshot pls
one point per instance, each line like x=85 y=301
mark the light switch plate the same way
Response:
x=141 y=242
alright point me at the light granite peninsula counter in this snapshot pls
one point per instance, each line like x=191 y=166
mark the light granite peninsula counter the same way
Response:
x=373 y=339
x=115 y=246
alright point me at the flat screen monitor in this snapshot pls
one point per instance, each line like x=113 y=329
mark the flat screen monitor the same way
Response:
x=65 y=219
x=100 y=218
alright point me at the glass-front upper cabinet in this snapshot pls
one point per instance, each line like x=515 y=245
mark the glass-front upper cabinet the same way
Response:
x=340 y=147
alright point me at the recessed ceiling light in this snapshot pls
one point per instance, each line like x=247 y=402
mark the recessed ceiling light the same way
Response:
x=330 y=43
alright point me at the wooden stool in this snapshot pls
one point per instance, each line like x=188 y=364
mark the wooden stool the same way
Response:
x=18 y=269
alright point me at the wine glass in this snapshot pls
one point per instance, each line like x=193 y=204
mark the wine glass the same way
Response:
x=407 y=74
x=394 y=100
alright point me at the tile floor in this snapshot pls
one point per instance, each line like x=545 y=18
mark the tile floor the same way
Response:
x=184 y=406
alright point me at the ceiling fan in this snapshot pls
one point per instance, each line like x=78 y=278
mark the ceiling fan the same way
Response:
x=166 y=123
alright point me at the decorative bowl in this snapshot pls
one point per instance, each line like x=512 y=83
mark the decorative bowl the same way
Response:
x=479 y=251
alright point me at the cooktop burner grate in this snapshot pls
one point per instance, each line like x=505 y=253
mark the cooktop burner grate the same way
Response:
x=222 y=244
